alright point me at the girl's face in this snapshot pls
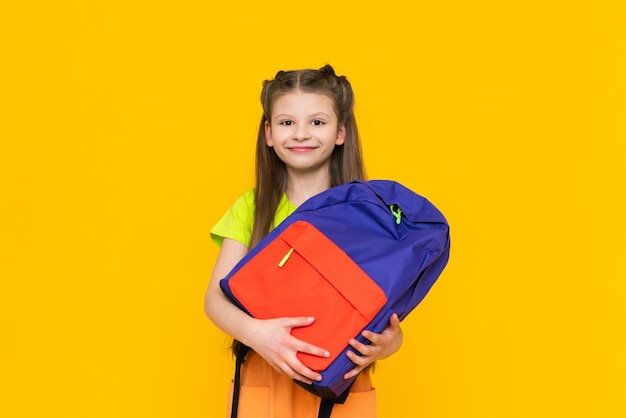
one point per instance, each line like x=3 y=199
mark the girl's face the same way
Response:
x=304 y=131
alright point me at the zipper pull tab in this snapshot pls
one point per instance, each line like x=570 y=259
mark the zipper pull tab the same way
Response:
x=285 y=258
x=396 y=212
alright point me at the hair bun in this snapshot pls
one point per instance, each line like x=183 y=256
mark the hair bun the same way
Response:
x=327 y=70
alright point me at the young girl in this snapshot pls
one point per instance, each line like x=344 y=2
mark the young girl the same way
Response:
x=307 y=143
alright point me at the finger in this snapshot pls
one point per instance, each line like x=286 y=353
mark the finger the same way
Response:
x=393 y=328
x=297 y=321
x=308 y=348
x=293 y=374
x=304 y=347
x=358 y=368
x=358 y=360
x=303 y=373
x=294 y=369
x=353 y=372
x=394 y=323
x=364 y=349
x=374 y=338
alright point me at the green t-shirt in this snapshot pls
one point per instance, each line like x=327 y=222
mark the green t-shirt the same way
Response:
x=237 y=222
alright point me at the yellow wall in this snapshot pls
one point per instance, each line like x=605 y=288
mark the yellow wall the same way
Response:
x=127 y=128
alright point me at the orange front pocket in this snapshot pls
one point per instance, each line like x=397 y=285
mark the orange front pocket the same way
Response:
x=303 y=273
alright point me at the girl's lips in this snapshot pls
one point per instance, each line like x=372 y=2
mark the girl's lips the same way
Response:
x=301 y=149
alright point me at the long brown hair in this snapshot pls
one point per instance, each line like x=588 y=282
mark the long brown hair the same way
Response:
x=346 y=161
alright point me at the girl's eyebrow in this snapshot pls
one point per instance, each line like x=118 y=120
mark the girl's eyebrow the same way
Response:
x=286 y=115
x=319 y=114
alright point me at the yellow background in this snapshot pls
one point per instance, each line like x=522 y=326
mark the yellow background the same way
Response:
x=127 y=128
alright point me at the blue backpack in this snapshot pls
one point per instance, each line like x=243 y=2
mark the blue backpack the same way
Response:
x=350 y=256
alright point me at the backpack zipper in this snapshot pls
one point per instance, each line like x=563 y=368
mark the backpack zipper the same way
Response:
x=396 y=212
x=286 y=257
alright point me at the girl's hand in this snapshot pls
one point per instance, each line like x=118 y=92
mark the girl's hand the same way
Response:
x=273 y=341
x=382 y=346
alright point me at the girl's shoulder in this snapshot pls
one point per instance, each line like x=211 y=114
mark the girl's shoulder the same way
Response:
x=237 y=222
x=244 y=203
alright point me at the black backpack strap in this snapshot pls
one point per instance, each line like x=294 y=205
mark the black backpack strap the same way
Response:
x=326 y=408
x=241 y=354
x=327 y=405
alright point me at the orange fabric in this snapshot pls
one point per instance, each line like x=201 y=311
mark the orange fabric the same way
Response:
x=265 y=393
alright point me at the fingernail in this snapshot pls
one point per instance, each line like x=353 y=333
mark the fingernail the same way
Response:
x=326 y=354
x=310 y=319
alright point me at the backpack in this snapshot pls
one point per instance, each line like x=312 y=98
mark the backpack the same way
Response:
x=350 y=256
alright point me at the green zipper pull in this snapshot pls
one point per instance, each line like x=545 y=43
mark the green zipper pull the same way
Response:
x=285 y=258
x=396 y=212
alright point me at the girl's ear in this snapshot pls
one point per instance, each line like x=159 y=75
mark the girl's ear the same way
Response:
x=268 y=135
x=341 y=135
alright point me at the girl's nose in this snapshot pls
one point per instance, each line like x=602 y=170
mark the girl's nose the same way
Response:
x=302 y=133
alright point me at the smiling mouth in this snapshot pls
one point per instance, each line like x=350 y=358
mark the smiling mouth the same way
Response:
x=301 y=149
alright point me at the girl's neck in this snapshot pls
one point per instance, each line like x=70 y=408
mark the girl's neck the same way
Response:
x=303 y=187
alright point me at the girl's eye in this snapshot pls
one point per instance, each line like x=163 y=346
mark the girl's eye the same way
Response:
x=286 y=123
x=318 y=122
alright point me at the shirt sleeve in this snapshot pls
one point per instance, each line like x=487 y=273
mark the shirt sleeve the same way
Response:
x=237 y=222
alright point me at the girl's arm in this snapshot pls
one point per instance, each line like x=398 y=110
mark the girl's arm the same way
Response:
x=381 y=346
x=270 y=338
